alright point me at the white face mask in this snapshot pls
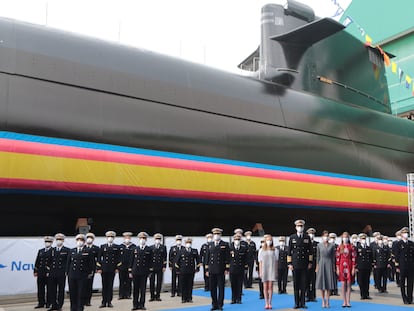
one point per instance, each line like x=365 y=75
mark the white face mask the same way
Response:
x=157 y=242
x=48 y=244
x=345 y=240
x=209 y=240
x=299 y=229
x=59 y=243
x=380 y=242
x=332 y=241
x=325 y=238
x=142 y=241
x=217 y=237
x=363 y=241
x=404 y=236
x=188 y=245
x=398 y=237
x=178 y=242
x=354 y=240
x=269 y=242
x=390 y=244
x=282 y=243
x=236 y=242
x=89 y=240
x=311 y=235
x=110 y=239
x=79 y=243
x=248 y=237
x=127 y=241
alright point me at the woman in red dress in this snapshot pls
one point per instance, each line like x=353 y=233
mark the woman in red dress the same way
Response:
x=345 y=267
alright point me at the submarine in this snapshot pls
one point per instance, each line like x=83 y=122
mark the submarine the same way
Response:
x=133 y=140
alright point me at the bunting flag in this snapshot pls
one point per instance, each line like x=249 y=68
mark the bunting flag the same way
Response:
x=348 y=21
x=394 y=67
x=407 y=81
x=400 y=74
x=368 y=40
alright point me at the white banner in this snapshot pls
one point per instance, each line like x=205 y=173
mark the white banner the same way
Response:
x=17 y=257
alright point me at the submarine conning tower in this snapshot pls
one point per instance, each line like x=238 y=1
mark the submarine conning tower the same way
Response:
x=307 y=53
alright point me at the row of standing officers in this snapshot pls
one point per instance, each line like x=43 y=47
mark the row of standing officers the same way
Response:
x=135 y=263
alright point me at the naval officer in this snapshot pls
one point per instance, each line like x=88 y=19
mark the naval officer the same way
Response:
x=300 y=261
x=251 y=257
x=126 y=249
x=79 y=268
x=158 y=263
x=217 y=265
x=94 y=251
x=238 y=266
x=57 y=273
x=109 y=260
x=41 y=272
x=175 y=279
x=363 y=266
x=404 y=261
x=203 y=250
x=310 y=290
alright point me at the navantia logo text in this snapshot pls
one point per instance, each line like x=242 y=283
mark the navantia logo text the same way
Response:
x=19 y=266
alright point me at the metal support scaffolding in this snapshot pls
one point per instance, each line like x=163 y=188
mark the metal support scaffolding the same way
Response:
x=410 y=191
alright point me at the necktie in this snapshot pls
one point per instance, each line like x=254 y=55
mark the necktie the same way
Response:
x=78 y=250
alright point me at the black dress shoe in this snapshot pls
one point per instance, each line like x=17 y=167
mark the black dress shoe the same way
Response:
x=172 y=295
x=296 y=307
x=143 y=308
x=369 y=298
x=135 y=308
x=39 y=306
x=110 y=305
x=261 y=297
x=213 y=308
x=103 y=305
x=158 y=299
x=88 y=304
x=151 y=299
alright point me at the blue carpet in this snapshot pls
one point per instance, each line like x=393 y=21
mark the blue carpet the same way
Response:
x=251 y=302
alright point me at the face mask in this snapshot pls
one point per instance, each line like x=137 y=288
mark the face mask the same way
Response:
x=110 y=239
x=127 y=241
x=236 y=242
x=188 y=245
x=89 y=240
x=380 y=242
x=390 y=244
x=311 y=235
x=299 y=229
x=269 y=243
x=178 y=243
x=332 y=241
x=325 y=238
x=398 y=237
x=79 y=243
x=363 y=241
x=346 y=240
x=48 y=244
x=141 y=241
x=59 y=243
x=404 y=236
x=217 y=237
x=209 y=240
x=281 y=243
x=354 y=240
x=385 y=241
x=157 y=242
x=248 y=237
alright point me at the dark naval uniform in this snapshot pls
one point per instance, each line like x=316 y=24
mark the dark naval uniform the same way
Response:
x=41 y=269
x=80 y=267
x=238 y=266
x=94 y=251
x=125 y=282
x=217 y=262
x=109 y=260
x=140 y=269
x=187 y=263
x=158 y=264
x=311 y=290
x=382 y=260
x=300 y=256
x=282 y=269
x=251 y=257
x=397 y=271
x=203 y=251
x=364 y=262
x=404 y=261
x=175 y=279
x=57 y=276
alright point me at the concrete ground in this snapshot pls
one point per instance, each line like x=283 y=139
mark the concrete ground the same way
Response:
x=202 y=301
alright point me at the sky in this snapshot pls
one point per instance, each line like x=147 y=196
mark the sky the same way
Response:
x=217 y=33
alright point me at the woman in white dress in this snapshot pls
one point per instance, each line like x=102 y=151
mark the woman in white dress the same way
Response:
x=268 y=258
